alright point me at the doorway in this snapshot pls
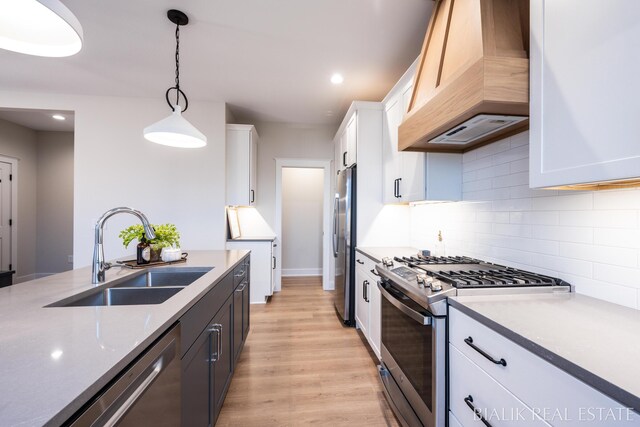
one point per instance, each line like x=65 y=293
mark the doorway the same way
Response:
x=7 y=212
x=303 y=198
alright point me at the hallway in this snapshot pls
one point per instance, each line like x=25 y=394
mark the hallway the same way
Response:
x=301 y=367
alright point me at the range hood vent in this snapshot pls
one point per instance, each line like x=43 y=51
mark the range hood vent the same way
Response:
x=481 y=126
x=472 y=82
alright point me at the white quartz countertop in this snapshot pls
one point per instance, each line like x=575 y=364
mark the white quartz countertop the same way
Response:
x=54 y=359
x=593 y=340
x=378 y=252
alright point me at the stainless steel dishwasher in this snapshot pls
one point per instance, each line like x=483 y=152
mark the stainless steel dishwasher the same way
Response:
x=147 y=393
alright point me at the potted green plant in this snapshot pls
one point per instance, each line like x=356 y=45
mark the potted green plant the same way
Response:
x=167 y=236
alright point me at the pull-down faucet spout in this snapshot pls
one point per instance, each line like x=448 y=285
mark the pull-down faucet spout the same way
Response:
x=99 y=264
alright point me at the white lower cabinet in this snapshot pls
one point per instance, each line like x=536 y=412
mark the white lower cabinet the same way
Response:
x=263 y=267
x=368 y=301
x=474 y=396
x=556 y=396
x=453 y=421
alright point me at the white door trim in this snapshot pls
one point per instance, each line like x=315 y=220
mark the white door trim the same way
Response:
x=327 y=283
x=14 y=209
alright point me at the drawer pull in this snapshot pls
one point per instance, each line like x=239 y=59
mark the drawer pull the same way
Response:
x=476 y=412
x=359 y=262
x=470 y=343
x=374 y=272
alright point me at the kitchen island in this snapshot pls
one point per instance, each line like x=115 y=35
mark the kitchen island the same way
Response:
x=547 y=337
x=55 y=359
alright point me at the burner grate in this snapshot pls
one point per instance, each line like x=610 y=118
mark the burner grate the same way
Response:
x=488 y=278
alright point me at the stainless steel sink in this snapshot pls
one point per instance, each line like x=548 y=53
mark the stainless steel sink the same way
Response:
x=173 y=276
x=121 y=296
x=153 y=286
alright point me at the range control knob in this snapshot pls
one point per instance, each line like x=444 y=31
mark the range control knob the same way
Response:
x=387 y=262
x=421 y=279
x=435 y=286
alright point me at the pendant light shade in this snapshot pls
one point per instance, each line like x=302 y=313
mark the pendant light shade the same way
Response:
x=175 y=130
x=39 y=27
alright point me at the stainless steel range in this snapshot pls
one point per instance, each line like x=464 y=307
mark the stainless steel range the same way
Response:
x=414 y=324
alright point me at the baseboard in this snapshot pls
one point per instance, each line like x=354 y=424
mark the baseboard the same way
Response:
x=41 y=275
x=301 y=272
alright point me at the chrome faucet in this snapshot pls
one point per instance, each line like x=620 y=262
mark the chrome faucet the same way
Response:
x=99 y=264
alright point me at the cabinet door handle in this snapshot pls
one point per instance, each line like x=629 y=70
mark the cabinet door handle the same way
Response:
x=366 y=286
x=364 y=290
x=374 y=272
x=359 y=262
x=395 y=188
x=241 y=287
x=274 y=263
x=470 y=343
x=253 y=196
x=217 y=328
x=477 y=412
x=344 y=159
x=398 y=181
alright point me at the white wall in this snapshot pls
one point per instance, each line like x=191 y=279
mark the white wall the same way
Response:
x=302 y=200
x=115 y=166
x=281 y=140
x=21 y=143
x=54 y=242
x=589 y=239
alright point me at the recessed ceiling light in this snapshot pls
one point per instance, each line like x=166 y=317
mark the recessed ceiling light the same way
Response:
x=337 y=78
x=59 y=117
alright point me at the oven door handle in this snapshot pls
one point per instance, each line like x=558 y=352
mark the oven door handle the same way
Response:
x=418 y=317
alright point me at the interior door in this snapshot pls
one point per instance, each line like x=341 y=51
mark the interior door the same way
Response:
x=5 y=216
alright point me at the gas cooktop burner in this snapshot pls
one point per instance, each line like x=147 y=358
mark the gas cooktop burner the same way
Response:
x=492 y=277
x=431 y=260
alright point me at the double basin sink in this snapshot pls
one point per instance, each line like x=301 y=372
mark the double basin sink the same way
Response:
x=153 y=286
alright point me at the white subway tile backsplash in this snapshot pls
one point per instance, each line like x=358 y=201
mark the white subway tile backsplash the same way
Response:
x=604 y=290
x=563 y=234
x=618 y=199
x=615 y=256
x=521 y=165
x=589 y=239
x=511 y=180
x=573 y=202
x=615 y=274
x=617 y=237
x=600 y=218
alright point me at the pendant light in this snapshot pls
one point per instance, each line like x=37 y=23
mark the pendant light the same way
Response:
x=39 y=27
x=175 y=130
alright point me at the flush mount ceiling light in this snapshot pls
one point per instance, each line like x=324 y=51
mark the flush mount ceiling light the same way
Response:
x=39 y=27
x=59 y=117
x=175 y=130
x=337 y=78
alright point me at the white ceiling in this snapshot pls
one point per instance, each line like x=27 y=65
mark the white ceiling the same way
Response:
x=269 y=59
x=39 y=119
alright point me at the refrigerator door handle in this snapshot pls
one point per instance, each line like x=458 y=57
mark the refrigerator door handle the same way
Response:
x=335 y=226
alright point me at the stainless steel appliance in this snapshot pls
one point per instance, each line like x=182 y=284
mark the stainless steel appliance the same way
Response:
x=414 y=324
x=146 y=393
x=344 y=240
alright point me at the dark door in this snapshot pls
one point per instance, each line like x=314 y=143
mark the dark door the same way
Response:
x=222 y=356
x=238 y=308
x=196 y=399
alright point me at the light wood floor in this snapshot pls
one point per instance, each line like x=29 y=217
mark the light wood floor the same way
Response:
x=300 y=366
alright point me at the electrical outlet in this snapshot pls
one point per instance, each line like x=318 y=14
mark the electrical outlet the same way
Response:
x=70 y=259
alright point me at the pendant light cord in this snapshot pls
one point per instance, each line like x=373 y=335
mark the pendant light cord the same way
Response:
x=179 y=91
x=177 y=64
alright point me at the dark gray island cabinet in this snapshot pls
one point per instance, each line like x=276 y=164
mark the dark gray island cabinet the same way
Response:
x=213 y=334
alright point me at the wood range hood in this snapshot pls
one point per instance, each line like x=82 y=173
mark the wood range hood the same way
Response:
x=472 y=82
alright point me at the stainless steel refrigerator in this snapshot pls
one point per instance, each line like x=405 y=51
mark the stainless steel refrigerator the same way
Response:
x=344 y=244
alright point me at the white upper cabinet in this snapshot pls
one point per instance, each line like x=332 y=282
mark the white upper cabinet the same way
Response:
x=348 y=143
x=585 y=70
x=411 y=176
x=241 y=165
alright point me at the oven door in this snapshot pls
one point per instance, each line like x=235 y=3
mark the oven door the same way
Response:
x=413 y=359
